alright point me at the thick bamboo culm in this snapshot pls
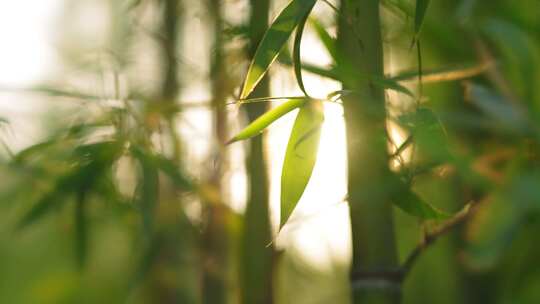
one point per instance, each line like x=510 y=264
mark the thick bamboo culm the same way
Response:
x=373 y=240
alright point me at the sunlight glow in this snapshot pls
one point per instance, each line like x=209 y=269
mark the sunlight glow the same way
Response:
x=319 y=226
x=26 y=53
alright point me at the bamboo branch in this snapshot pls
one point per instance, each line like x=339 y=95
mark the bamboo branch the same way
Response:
x=431 y=237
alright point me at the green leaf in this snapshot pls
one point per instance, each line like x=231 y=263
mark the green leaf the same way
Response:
x=330 y=73
x=300 y=156
x=28 y=152
x=46 y=204
x=328 y=41
x=258 y=125
x=273 y=41
x=405 y=199
x=346 y=73
x=390 y=84
x=411 y=203
x=297 y=60
x=428 y=133
x=92 y=161
x=148 y=188
x=419 y=15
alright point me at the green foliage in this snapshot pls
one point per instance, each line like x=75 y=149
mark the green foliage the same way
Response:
x=274 y=40
x=297 y=61
x=148 y=190
x=404 y=198
x=90 y=162
x=300 y=156
x=328 y=41
x=257 y=126
x=471 y=145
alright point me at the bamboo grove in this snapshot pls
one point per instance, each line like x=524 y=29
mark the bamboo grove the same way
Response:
x=440 y=105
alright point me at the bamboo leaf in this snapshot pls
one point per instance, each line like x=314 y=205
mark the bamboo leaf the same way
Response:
x=148 y=189
x=273 y=41
x=45 y=205
x=258 y=125
x=92 y=161
x=419 y=16
x=390 y=84
x=330 y=73
x=328 y=41
x=346 y=73
x=300 y=156
x=297 y=60
x=405 y=199
x=428 y=133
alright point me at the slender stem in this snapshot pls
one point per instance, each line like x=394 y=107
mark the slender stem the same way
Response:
x=256 y=263
x=373 y=239
x=432 y=236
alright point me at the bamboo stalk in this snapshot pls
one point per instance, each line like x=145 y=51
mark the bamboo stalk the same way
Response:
x=374 y=250
x=256 y=258
x=214 y=242
x=171 y=241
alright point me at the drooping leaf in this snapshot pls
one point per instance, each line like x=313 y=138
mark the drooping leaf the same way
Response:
x=419 y=16
x=46 y=204
x=24 y=154
x=297 y=60
x=300 y=156
x=405 y=199
x=147 y=189
x=328 y=41
x=91 y=161
x=258 y=125
x=390 y=84
x=273 y=41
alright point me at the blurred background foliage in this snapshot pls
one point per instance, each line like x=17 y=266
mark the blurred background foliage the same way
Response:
x=119 y=188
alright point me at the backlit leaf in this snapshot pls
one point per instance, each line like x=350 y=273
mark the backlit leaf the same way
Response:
x=300 y=156
x=258 y=125
x=328 y=41
x=273 y=41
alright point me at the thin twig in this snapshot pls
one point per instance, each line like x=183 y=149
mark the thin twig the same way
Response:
x=432 y=236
